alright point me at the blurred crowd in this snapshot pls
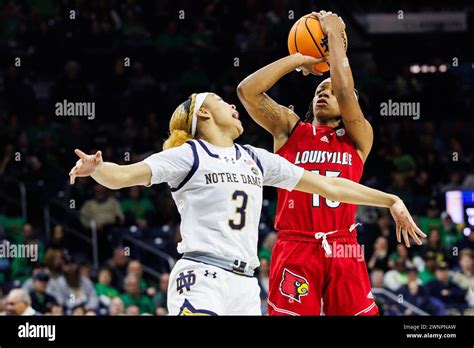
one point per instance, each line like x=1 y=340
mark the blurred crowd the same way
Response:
x=137 y=60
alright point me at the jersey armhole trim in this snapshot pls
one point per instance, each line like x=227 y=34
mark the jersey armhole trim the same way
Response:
x=192 y=170
x=255 y=158
x=294 y=128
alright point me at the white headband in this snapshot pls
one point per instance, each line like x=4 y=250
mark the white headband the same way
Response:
x=200 y=97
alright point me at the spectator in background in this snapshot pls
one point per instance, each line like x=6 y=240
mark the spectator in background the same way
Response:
x=407 y=256
x=464 y=276
x=431 y=218
x=160 y=300
x=72 y=289
x=428 y=272
x=449 y=231
x=105 y=291
x=267 y=246
x=138 y=210
x=415 y=293
x=135 y=267
x=118 y=266
x=56 y=309
x=466 y=242
x=379 y=258
x=134 y=296
x=58 y=239
x=132 y=310
x=116 y=307
x=41 y=300
x=106 y=212
x=434 y=245
x=19 y=303
x=377 y=278
x=445 y=290
x=396 y=277
x=22 y=267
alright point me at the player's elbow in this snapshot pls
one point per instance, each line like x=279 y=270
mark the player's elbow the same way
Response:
x=245 y=91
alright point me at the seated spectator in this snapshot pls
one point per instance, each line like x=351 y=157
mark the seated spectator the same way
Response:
x=133 y=295
x=428 y=272
x=22 y=267
x=445 y=290
x=379 y=258
x=78 y=310
x=116 y=307
x=449 y=231
x=396 y=277
x=72 y=289
x=138 y=210
x=160 y=299
x=103 y=287
x=377 y=278
x=56 y=309
x=41 y=300
x=431 y=218
x=407 y=256
x=19 y=303
x=106 y=212
x=415 y=293
x=135 y=267
x=464 y=277
x=434 y=245
x=132 y=310
x=118 y=266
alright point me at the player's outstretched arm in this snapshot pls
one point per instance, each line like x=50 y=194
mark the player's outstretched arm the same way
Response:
x=110 y=175
x=343 y=190
x=275 y=118
x=342 y=82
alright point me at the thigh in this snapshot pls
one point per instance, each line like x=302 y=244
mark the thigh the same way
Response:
x=347 y=288
x=296 y=274
x=196 y=289
x=243 y=295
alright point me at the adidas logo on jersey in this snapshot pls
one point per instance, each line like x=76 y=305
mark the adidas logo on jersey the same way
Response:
x=325 y=139
x=370 y=295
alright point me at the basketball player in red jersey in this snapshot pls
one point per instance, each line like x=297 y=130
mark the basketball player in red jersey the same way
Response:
x=317 y=265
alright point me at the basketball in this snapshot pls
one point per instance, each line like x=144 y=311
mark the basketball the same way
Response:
x=307 y=37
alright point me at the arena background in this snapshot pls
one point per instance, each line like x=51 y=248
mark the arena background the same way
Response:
x=137 y=60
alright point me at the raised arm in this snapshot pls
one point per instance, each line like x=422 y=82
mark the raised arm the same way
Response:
x=110 y=175
x=276 y=119
x=343 y=190
x=358 y=128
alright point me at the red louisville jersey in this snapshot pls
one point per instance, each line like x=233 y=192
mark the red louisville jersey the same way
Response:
x=327 y=151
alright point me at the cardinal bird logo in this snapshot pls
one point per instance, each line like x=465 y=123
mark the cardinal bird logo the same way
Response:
x=293 y=285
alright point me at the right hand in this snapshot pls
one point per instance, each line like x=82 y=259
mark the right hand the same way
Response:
x=308 y=63
x=85 y=166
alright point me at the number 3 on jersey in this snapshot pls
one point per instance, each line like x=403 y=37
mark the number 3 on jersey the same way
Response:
x=239 y=222
x=316 y=198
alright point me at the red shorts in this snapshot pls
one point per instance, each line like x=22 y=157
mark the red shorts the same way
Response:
x=305 y=281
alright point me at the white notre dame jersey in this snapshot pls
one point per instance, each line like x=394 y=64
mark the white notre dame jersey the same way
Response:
x=218 y=192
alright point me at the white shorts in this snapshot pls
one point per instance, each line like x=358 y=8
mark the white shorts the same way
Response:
x=199 y=289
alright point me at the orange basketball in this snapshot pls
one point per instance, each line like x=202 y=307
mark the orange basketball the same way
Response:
x=306 y=37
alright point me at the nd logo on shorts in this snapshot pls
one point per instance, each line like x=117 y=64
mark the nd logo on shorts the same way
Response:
x=293 y=285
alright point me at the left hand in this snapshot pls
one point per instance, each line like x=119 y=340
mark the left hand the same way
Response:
x=330 y=22
x=404 y=224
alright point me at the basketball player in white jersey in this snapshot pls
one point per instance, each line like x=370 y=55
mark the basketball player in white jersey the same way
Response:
x=217 y=187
